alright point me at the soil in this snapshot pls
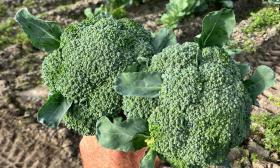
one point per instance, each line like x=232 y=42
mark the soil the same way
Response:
x=24 y=142
x=267 y=54
x=27 y=144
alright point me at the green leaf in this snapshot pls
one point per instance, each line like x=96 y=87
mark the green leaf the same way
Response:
x=233 y=52
x=88 y=13
x=244 y=69
x=227 y=3
x=216 y=28
x=176 y=10
x=118 y=13
x=263 y=78
x=134 y=67
x=149 y=160
x=274 y=2
x=53 y=110
x=118 y=3
x=120 y=135
x=144 y=84
x=115 y=8
x=44 y=35
x=232 y=48
x=201 y=6
x=162 y=39
x=139 y=141
x=143 y=60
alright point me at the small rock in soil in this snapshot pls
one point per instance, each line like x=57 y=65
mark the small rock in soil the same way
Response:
x=257 y=149
x=234 y=154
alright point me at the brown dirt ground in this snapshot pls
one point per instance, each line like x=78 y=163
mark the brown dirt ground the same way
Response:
x=25 y=143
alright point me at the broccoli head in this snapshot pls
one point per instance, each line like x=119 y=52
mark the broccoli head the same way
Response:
x=103 y=102
x=175 y=56
x=203 y=108
x=90 y=55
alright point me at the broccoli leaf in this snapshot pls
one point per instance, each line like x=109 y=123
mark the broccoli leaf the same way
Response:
x=162 y=39
x=118 y=12
x=227 y=3
x=144 y=84
x=232 y=52
x=53 y=110
x=134 y=67
x=216 y=28
x=244 y=69
x=149 y=159
x=44 y=35
x=115 y=8
x=88 y=13
x=176 y=10
x=263 y=78
x=201 y=6
x=273 y=2
x=121 y=135
x=118 y=3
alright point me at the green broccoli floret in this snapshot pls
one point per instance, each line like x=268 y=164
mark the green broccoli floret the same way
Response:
x=138 y=107
x=176 y=56
x=203 y=106
x=103 y=102
x=90 y=55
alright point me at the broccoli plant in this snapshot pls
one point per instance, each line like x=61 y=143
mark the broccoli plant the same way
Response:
x=272 y=2
x=177 y=9
x=82 y=63
x=116 y=8
x=196 y=99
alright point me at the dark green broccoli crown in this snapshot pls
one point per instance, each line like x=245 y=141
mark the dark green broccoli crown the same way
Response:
x=138 y=107
x=103 y=102
x=91 y=54
x=203 y=108
x=174 y=56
